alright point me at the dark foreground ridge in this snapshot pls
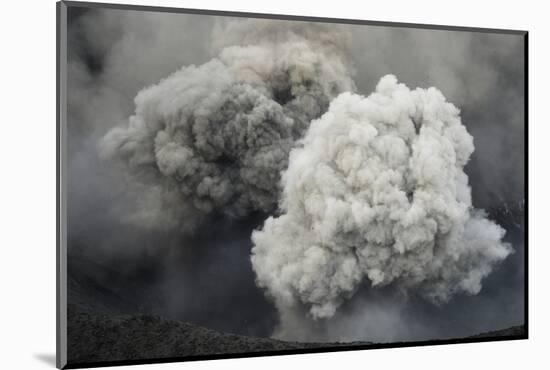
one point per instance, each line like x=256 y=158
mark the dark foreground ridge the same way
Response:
x=99 y=337
x=514 y=331
x=96 y=338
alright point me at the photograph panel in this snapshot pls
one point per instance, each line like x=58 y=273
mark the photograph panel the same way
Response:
x=242 y=185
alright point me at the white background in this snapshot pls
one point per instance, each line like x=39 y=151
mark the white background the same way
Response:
x=27 y=180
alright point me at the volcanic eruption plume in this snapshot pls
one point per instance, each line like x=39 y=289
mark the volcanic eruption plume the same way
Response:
x=362 y=191
x=376 y=193
x=214 y=138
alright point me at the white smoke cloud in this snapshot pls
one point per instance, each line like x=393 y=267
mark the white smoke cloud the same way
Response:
x=377 y=193
x=214 y=138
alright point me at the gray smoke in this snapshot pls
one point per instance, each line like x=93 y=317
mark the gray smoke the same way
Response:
x=377 y=193
x=116 y=207
x=214 y=138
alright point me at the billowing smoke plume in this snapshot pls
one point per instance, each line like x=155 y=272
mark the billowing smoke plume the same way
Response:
x=113 y=54
x=377 y=194
x=214 y=138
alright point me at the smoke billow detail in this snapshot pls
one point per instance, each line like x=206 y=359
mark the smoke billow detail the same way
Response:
x=214 y=138
x=376 y=192
x=371 y=211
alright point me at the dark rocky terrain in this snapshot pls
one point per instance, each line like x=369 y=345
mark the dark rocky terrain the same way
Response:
x=104 y=326
x=100 y=337
x=514 y=331
x=96 y=338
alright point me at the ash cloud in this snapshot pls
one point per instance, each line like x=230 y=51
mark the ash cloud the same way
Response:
x=377 y=192
x=214 y=138
x=116 y=223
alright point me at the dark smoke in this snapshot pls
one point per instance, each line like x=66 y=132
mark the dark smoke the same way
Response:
x=214 y=138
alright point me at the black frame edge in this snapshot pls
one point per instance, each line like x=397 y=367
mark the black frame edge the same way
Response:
x=288 y=17
x=57 y=107
x=343 y=348
x=61 y=261
x=526 y=185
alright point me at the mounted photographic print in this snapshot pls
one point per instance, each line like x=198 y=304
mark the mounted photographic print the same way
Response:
x=235 y=184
